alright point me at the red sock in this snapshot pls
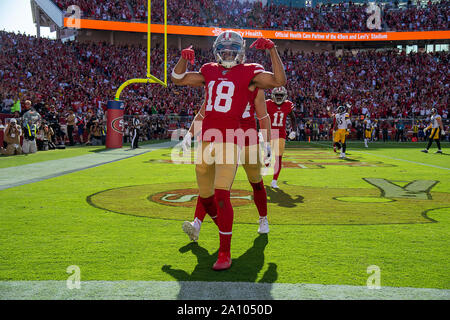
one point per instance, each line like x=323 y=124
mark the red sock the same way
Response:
x=209 y=205
x=200 y=212
x=225 y=218
x=260 y=197
x=277 y=167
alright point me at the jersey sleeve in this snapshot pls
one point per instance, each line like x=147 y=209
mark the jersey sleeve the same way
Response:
x=205 y=69
x=347 y=119
x=291 y=106
x=257 y=68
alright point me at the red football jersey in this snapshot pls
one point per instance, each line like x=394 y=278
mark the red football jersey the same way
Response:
x=248 y=117
x=278 y=115
x=227 y=95
x=248 y=121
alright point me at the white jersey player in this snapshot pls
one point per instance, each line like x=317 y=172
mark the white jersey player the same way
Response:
x=340 y=127
x=437 y=129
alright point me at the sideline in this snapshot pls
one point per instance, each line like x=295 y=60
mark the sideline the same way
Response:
x=29 y=173
x=201 y=290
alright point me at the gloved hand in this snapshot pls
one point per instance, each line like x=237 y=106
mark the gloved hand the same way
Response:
x=186 y=144
x=263 y=44
x=443 y=132
x=267 y=153
x=188 y=54
x=292 y=135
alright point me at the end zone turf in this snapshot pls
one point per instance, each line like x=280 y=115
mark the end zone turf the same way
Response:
x=318 y=248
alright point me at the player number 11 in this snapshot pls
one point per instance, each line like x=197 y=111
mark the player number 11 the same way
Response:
x=275 y=119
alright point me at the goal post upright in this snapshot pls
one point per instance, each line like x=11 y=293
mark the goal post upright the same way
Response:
x=150 y=78
x=114 y=133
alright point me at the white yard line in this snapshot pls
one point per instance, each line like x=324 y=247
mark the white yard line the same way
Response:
x=34 y=172
x=194 y=290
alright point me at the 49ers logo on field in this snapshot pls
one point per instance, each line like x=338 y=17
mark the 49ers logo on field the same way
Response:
x=117 y=124
x=188 y=198
x=381 y=201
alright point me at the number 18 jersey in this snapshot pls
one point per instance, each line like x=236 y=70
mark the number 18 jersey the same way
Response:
x=227 y=96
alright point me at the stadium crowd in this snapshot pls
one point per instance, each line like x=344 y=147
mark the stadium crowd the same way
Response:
x=324 y=17
x=58 y=77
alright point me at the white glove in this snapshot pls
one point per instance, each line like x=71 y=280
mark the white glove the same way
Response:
x=186 y=144
x=292 y=135
x=267 y=153
x=443 y=132
x=260 y=136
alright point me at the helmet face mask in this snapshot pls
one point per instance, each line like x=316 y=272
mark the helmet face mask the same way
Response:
x=341 y=109
x=229 y=49
x=433 y=111
x=279 y=95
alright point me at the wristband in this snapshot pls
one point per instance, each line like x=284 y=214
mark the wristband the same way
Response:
x=178 y=76
x=263 y=117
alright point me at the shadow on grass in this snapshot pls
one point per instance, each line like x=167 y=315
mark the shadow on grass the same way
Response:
x=243 y=269
x=281 y=198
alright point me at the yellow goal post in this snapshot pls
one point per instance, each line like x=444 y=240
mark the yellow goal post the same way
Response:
x=150 y=78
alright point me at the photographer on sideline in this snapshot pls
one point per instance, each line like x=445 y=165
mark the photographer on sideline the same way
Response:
x=95 y=137
x=31 y=122
x=13 y=132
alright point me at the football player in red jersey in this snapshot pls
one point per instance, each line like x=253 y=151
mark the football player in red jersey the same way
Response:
x=279 y=109
x=250 y=158
x=227 y=84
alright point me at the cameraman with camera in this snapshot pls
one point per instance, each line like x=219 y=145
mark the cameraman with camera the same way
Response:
x=95 y=136
x=31 y=122
x=13 y=132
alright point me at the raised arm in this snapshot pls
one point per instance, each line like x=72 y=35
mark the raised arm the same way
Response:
x=269 y=80
x=182 y=78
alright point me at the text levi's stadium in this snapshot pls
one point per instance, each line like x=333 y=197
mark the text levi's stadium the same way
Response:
x=225 y=158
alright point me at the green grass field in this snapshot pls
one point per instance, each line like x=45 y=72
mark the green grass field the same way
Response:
x=120 y=223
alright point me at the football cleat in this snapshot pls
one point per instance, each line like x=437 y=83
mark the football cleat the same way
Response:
x=342 y=156
x=263 y=225
x=424 y=150
x=274 y=184
x=223 y=261
x=439 y=151
x=190 y=230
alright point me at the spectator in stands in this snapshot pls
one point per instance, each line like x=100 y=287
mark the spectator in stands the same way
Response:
x=331 y=17
x=71 y=120
x=385 y=129
x=8 y=102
